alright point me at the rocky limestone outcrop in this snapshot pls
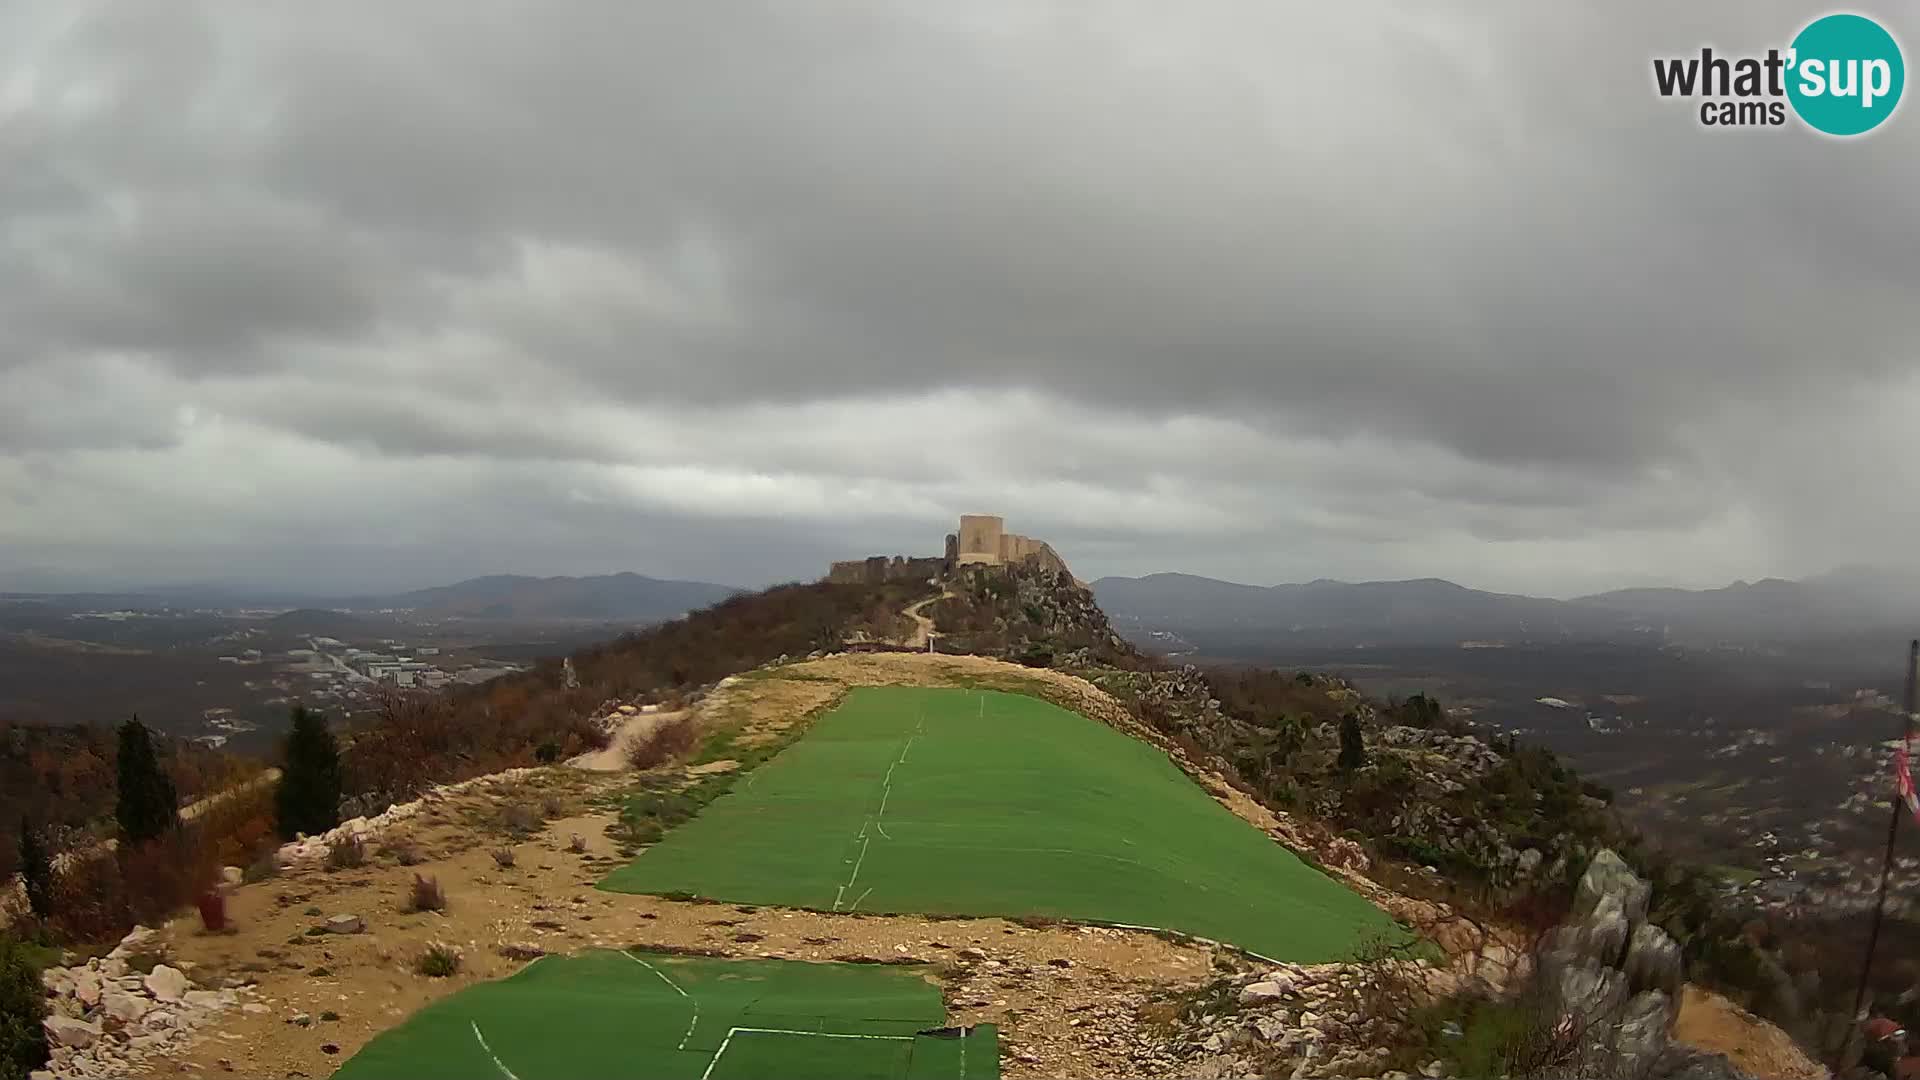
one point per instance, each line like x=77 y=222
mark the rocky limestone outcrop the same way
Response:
x=1610 y=982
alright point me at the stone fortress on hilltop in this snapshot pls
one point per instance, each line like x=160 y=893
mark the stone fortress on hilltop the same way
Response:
x=982 y=540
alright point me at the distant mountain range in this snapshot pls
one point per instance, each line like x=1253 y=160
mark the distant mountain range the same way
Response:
x=509 y=596
x=623 y=597
x=1433 y=611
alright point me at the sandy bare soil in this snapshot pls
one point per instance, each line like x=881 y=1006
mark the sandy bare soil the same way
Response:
x=1026 y=979
x=1713 y=1023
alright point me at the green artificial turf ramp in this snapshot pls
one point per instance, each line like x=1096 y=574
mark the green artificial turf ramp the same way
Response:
x=961 y=802
x=646 y=1015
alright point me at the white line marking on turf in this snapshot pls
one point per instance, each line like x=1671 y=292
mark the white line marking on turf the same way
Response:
x=504 y=1071
x=676 y=989
x=863 y=896
x=731 y=1032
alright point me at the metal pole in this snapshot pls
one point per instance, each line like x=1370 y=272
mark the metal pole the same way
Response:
x=1886 y=866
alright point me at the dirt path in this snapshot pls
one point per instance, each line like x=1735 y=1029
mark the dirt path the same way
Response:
x=632 y=730
x=922 y=624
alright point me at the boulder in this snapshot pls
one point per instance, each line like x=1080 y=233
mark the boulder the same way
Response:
x=1653 y=961
x=1269 y=1029
x=1589 y=994
x=166 y=983
x=1641 y=1036
x=1609 y=875
x=86 y=986
x=66 y=1031
x=203 y=999
x=123 y=1006
x=1265 y=990
x=231 y=876
x=137 y=938
x=345 y=924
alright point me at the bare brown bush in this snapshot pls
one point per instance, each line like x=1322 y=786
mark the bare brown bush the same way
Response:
x=665 y=743
x=426 y=895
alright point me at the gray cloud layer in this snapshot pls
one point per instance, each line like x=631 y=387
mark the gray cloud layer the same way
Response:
x=376 y=296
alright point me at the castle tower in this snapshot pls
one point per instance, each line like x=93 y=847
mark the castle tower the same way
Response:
x=980 y=538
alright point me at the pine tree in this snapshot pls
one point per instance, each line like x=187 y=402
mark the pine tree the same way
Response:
x=147 y=806
x=308 y=799
x=36 y=868
x=1353 y=749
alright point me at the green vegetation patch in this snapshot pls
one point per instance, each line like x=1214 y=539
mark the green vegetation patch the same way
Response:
x=957 y=802
x=650 y=1015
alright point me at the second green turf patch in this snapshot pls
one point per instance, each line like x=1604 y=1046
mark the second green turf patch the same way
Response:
x=960 y=802
x=647 y=1015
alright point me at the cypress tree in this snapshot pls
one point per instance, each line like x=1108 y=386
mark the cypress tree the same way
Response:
x=23 y=1006
x=1353 y=749
x=36 y=867
x=308 y=799
x=147 y=806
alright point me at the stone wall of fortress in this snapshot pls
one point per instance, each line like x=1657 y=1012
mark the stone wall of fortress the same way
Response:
x=982 y=540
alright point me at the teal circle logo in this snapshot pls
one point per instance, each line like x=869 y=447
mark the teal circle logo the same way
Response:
x=1846 y=74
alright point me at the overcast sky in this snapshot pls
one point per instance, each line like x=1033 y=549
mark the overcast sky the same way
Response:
x=354 y=296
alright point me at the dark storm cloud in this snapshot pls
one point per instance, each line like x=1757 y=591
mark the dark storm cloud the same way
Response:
x=1389 y=279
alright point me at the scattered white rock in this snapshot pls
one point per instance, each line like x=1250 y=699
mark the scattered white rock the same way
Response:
x=123 y=1006
x=1265 y=990
x=67 y=1031
x=345 y=924
x=166 y=983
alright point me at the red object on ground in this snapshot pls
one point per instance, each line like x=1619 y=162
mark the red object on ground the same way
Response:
x=213 y=910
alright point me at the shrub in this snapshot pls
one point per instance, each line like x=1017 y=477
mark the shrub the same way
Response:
x=552 y=807
x=146 y=805
x=547 y=753
x=264 y=868
x=1353 y=749
x=521 y=818
x=213 y=911
x=308 y=799
x=426 y=895
x=666 y=742
x=438 y=961
x=404 y=851
x=36 y=870
x=23 y=1006
x=346 y=853
x=577 y=845
x=161 y=876
x=89 y=901
x=503 y=857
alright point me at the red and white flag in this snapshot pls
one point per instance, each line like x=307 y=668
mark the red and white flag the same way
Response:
x=1903 y=776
